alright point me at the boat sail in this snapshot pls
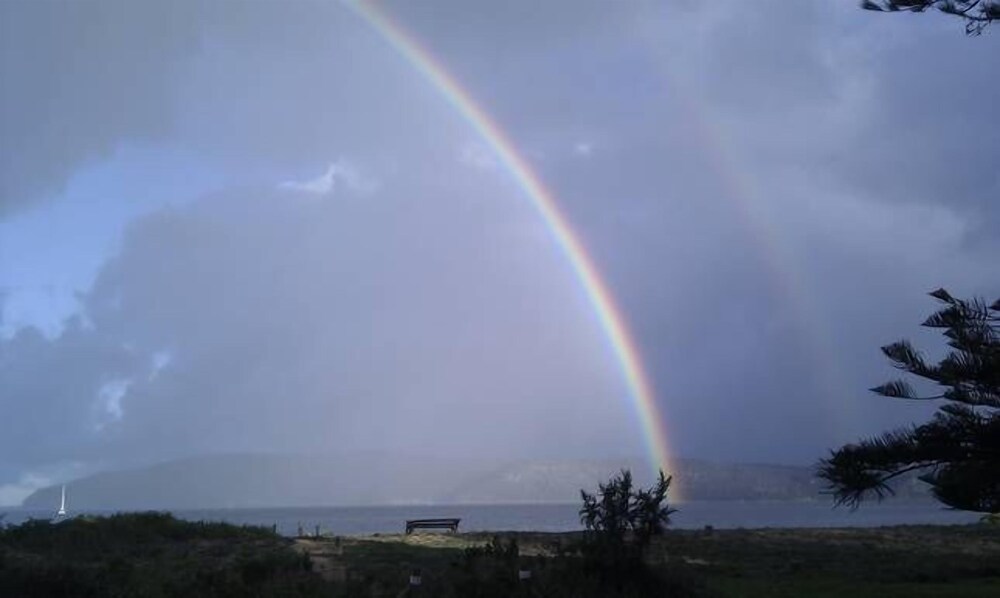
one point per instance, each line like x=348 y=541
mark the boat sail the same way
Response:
x=62 y=503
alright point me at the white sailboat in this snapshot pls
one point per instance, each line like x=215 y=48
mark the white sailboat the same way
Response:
x=62 y=504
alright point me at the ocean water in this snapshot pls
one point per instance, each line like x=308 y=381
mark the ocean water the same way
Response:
x=561 y=517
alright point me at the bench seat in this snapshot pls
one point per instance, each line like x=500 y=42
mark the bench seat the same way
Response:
x=440 y=523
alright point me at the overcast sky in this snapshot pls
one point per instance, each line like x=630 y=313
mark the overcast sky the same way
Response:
x=254 y=226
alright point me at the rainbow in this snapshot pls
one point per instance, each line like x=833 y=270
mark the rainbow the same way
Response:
x=611 y=320
x=783 y=266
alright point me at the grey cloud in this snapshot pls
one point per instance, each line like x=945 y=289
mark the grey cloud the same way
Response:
x=249 y=85
x=81 y=77
x=929 y=138
x=336 y=325
x=49 y=390
x=892 y=109
x=754 y=199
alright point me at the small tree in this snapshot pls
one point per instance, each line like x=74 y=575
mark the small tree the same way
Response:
x=619 y=512
x=976 y=13
x=958 y=451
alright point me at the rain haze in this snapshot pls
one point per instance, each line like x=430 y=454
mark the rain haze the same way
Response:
x=260 y=227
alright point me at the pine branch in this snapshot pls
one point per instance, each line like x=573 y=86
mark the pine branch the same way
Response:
x=977 y=14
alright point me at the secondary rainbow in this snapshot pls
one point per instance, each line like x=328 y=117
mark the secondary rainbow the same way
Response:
x=611 y=320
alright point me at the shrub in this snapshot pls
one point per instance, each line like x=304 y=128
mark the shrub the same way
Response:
x=620 y=522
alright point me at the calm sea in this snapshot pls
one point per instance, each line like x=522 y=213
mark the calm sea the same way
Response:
x=562 y=517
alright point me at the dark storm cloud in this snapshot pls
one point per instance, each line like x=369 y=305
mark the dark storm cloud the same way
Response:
x=249 y=85
x=931 y=136
x=79 y=78
x=892 y=108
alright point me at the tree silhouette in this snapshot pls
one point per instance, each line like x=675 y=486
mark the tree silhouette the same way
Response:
x=619 y=508
x=621 y=521
x=958 y=451
x=978 y=14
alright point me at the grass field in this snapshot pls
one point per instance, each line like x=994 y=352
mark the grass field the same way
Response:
x=157 y=555
x=906 y=561
x=151 y=555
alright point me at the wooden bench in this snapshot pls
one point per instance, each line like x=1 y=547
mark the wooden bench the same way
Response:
x=444 y=523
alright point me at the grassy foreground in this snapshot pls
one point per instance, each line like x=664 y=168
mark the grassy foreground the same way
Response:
x=903 y=561
x=150 y=555
x=153 y=554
